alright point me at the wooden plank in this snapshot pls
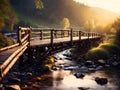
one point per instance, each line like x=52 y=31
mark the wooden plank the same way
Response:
x=26 y=37
x=4 y=65
x=12 y=62
x=9 y=47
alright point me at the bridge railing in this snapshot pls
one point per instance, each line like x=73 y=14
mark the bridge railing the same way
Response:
x=23 y=42
x=54 y=33
x=25 y=34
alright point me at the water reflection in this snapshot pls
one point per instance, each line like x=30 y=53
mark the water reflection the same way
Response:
x=65 y=80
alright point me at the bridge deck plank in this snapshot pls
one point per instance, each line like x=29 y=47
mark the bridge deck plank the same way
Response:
x=37 y=41
x=7 y=53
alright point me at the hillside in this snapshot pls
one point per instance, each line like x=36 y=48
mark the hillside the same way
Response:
x=26 y=14
x=54 y=11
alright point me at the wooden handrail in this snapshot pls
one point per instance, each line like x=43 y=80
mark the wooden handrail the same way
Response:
x=9 y=47
x=10 y=59
x=24 y=35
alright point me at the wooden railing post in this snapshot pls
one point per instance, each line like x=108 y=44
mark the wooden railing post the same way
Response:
x=79 y=35
x=92 y=35
x=29 y=32
x=71 y=36
x=55 y=33
x=0 y=73
x=52 y=36
x=88 y=35
x=68 y=33
x=19 y=36
x=41 y=34
x=61 y=33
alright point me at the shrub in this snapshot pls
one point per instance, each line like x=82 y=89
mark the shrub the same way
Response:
x=111 y=48
x=49 y=62
x=97 y=53
x=5 y=41
x=117 y=38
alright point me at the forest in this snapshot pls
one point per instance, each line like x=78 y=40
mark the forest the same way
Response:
x=53 y=14
x=16 y=13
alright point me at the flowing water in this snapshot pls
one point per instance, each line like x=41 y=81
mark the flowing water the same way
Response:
x=63 y=78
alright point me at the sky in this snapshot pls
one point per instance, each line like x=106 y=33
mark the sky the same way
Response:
x=112 y=5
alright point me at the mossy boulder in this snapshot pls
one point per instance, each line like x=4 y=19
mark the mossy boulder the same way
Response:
x=97 y=53
x=111 y=48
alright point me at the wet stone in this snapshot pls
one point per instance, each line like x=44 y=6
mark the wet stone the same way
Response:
x=101 y=62
x=115 y=63
x=15 y=80
x=79 y=75
x=89 y=63
x=83 y=88
x=84 y=68
x=101 y=81
x=99 y=67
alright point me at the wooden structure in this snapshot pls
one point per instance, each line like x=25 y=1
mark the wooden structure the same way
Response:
x=43 y=40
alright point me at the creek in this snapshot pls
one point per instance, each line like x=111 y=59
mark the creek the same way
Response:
x=62 y=77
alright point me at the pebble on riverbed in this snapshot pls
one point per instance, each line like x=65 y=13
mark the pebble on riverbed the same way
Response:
x=101 y=81
x=82 y=88
x=101 y=62
x=79 y=75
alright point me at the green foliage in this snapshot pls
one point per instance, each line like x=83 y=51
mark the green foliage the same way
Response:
x=55 y=10
x=116 y=24
x=49 y=62
x=89 y=25
x=97 y=53
x=65 y=23
x=39 y=4
x=111 y=48
x=7 y=15
x=117 y=38
x=5 y=41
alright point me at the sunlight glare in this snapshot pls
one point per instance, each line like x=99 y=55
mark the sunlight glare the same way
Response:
x=111 y=5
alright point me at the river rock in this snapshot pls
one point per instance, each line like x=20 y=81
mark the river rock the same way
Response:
x=12 y=87
x=114 y=63
x=83 y=88
x=99 y=67
x=29 y=74
x=101 y=81
x=83 y=68
x=101 y=62
x=79 y=75
x=15 y=80
x=89 y=63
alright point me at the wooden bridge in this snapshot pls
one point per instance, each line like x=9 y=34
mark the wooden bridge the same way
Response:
x=42 y=40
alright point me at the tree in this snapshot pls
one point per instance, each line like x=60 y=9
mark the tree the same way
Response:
x=89 y=25
x=65 y=23
x=116 y=24
x=7 y=15
x=38 y=4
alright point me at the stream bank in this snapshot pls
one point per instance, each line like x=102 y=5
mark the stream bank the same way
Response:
x=68 y=74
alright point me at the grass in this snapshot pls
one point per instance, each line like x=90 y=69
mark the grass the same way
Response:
x=106 y=49
x=5 y=41
x=97 y=53
x=110 y=47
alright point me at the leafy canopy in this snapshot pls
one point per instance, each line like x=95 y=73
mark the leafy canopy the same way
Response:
x=39 y=4
x=65 y=23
